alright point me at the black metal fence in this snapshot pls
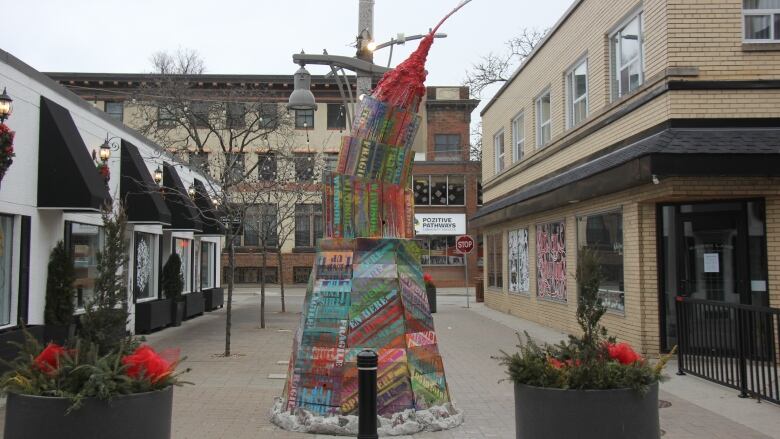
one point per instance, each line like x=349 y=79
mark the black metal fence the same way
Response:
x=730 y=344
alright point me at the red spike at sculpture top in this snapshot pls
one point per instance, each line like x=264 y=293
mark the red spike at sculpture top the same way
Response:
x=404 y=85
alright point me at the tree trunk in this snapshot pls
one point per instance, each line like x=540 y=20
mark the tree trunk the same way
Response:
x=281 y=275
x=230 y=272
x=262 y=290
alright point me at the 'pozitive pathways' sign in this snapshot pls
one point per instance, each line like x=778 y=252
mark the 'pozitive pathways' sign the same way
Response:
x=440 y=223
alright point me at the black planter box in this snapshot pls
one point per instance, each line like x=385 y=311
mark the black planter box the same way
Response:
x=152 y=315
x=213 y=298
x=590 y=414
x=8 y=352
x=58 y=334
x=194 y=304
x=139 y=415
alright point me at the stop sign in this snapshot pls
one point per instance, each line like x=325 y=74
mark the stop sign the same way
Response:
x=464 y=244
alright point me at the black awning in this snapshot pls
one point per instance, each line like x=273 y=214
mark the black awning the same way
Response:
x=67 y=176
x=140 y=194
x=683 y=152
x=208 y=213
x=184 y=213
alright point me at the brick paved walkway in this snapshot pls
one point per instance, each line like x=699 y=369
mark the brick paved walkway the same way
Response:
x=231 y=396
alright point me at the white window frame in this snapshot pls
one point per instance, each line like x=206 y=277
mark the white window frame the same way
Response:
x=155 y=265
x=499 y=158
x=518 y=141
x=540 y=124
x=210 y=252
x=571 y=100
x=773 y=32
x=615 y=66
x=188 y=287
x=16 y=245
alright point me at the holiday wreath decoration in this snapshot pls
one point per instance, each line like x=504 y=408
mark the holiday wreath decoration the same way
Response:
x=6 y=149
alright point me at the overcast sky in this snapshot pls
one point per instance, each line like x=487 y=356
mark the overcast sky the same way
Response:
x=255 y=36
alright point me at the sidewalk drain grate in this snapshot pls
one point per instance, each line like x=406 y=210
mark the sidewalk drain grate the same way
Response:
x=662 y=404
x=277 y=376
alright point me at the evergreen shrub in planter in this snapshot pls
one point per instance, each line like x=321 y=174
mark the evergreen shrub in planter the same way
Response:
x=588 y=386
x=58 y=312
x=172 y=286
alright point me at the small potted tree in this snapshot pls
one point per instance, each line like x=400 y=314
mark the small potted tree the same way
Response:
x=605 y=388
x=430 y=291
x=58 y=313
x=173 y=285
x=103 y=382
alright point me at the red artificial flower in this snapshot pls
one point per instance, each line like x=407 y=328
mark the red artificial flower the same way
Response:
x=48 y=361
x=146 y=363
x=623 y=353
x=427 y=278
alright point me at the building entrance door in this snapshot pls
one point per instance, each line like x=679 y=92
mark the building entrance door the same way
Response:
x=711 y=251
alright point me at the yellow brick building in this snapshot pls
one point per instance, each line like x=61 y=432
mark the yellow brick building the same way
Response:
x=649 y=131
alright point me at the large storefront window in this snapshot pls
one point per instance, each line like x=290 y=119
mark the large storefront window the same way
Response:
x=439 y=250
x=85 y=242
x=207 y=261
x=439 y=190
x=551 y=261
x=6 y=264
x=495 y=260
x=603 y=233
x=518 y=261
x=145 y=259
x=182 y=248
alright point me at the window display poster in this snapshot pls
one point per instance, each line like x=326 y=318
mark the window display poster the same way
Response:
x=551 y=261
x=518 y=261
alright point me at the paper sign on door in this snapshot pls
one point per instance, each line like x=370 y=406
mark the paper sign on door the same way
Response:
x=711 y=263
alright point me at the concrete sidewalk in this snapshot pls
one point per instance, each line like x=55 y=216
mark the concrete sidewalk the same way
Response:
x=232 y=396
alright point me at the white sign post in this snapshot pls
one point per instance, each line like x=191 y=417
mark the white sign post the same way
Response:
x=464 y=245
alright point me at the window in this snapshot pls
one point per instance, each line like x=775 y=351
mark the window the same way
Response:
x=304 y=166
x=551 y=261
x=85 y=241
x=304 y=119
x=439 y=190
x=577 y=94
x=498 y=151
x=208 y=261
x=495 y=261
x=236 y=115
x=268 y=115
x=447 y=147
x=234 y=164
x=199 y=160
x=517 y=247
x=331 y=161
x=182 y=248
x=308 y=224
x=479 y=191
x=543 y=124
x=518 y=137
x=266 y=166
x=301 y=274
x=199 y=114
x=145 y=262
x=627 y=52
x=166 y=117
x=116 y=110
x=261 y=226
x=762 y=20
x=603 y=233
x=440 y=250
x=337 y=119
x=6 y=267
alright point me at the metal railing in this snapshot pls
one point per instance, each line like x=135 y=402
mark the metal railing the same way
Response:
x=730 y=344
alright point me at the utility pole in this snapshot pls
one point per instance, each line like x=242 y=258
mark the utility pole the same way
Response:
x=365 y=35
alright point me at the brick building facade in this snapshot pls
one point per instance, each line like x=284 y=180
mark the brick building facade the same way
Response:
x=647 y=131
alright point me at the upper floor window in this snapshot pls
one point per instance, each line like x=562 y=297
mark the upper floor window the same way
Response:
x=236 y=115
x=199 y=160
x=235 y=165
x=479 y=191
x=577 y=94
x=439 y=190
x=498 y=151
x=199 y=114
x=762 y=20
x=337 y=120
x=166 y=117
x=268 y=115
x=308 y=224
x=331 y=161
x=266 y=166
x=304 y=119
x=627 y=52
x=543 y=121
x=304 y=166
x=116 y=110
x=518 y=137
x=447 y=147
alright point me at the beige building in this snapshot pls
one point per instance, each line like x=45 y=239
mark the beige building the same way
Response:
x=650 y=131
